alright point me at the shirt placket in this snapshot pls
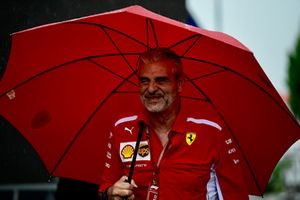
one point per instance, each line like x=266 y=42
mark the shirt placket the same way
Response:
x=156 y=165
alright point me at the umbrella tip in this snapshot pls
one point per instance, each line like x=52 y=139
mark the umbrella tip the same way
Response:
x=134 y=7
x=49 y=179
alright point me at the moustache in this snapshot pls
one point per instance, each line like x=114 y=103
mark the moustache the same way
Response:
x=153 y=95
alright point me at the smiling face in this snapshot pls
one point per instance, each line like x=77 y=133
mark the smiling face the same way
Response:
x=159 y=87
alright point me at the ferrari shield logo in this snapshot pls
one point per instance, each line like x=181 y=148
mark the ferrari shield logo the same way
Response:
x=190 y=138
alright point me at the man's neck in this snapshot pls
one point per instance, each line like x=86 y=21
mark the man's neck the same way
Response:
x=162 y=122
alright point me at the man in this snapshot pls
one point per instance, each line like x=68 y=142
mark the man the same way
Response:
x=183 y=153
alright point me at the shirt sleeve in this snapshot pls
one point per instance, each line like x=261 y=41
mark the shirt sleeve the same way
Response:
x=228 y=174
x=112 y=166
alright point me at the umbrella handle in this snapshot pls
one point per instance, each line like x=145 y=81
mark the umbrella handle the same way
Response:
x=139 y=137
x=138 y=140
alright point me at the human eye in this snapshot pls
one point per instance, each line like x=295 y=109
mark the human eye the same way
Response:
x=162 y=80
x=143 y=81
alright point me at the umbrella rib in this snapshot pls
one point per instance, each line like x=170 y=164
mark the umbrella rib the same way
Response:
x=109 y=28
x=191 y=45
x=193 y=98
x=153 y=30
x=230 y=130
x=57 y=67
x=210 y=74
x=127 y=92
x=118 y=49
x=40 y=74
x=206 y=62
x=105 y=68
x=186 y=39
x=147 y=33
x=86 y=123
x=249 y=80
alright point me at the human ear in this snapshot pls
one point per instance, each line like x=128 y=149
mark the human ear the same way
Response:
x=180 y=84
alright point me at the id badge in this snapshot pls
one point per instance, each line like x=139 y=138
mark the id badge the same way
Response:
x=152 y=192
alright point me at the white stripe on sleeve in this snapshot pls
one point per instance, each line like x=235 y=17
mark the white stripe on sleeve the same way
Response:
x=204 y=121
x=126 y=119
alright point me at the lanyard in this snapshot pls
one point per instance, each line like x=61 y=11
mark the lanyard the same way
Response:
x=156 y=168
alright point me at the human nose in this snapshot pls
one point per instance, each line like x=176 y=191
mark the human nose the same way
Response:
x=152 y=87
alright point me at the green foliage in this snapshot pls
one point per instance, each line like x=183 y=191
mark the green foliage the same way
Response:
x=294 y=79
x=277 y=183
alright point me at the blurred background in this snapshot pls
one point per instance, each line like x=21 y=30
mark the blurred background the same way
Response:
x=269 y=28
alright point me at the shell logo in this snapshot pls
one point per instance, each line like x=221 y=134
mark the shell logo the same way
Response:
x=127 y=151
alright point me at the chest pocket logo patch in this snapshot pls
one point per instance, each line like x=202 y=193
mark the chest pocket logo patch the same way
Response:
x=127 y=149
x=144 y=150
x=190 y=138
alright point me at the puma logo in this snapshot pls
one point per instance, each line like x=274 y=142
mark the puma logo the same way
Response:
x=129 y=130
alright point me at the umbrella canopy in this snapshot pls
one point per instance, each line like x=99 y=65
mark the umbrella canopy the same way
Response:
x=66 y=82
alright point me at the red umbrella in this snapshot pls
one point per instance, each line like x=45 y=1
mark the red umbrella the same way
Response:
x=66 y=82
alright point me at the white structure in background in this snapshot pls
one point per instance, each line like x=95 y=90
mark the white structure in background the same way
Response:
x=269 y=28
x=293 y=174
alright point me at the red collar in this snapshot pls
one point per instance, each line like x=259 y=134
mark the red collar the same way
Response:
x=179 y=125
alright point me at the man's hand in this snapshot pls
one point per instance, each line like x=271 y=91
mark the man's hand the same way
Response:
x=121 y=190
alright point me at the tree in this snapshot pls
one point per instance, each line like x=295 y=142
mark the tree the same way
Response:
x=294 y=79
